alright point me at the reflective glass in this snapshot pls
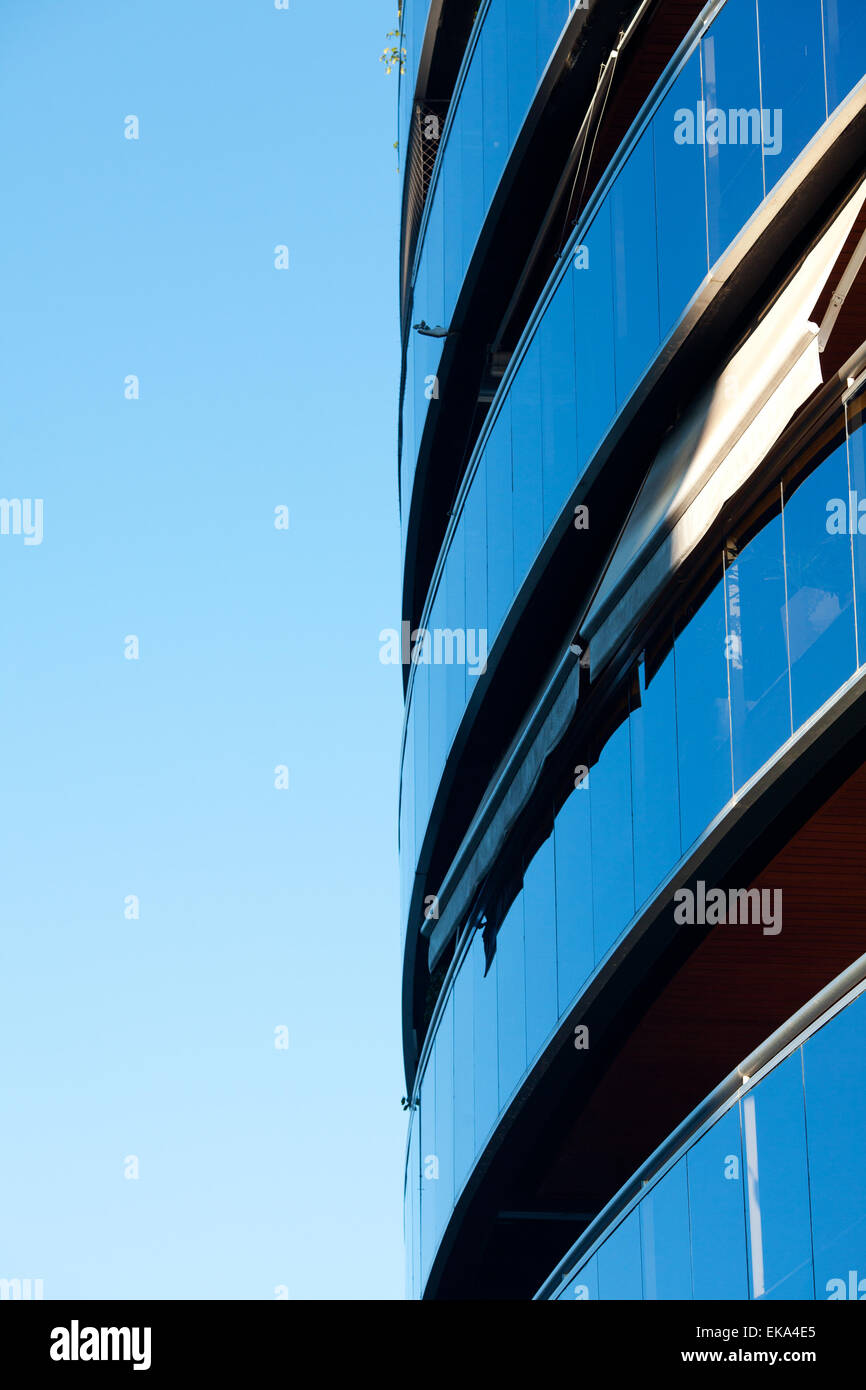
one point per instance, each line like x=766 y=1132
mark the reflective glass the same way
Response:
x=593 y=314
x=472 y=120
x=574 y=943
x=612 y=852
x=681 y=210
x=494 y=61
x=429 y=1163
x=731 y=123
x=558 y=401
x=854 y=513
x=655 y=781
x=635 y=261
x=834 y=1063
x=526 y=462
x=757 y=650
x=792 y=81
x=773 y=1122
x=619 y=1262
x=511 y=1001
x=413 y=1208
x=445 y=1117
x=550 y=18
x=500 y=557
x=476 y=566
x=454 y=640
x=717 y=1212
x=703 y=717
x=845 y=40
x=420 y=716
x=464 y=1077
x=521 y=61
x=539 y=897
x=665 y=1247
x=437 y=677
x=486 y=1043
x=820 y=584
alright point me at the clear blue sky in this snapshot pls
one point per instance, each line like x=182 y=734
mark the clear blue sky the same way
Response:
x=155 y=777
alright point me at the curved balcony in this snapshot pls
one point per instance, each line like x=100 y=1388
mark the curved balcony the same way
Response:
x=763 y=646
x=765 y=1199
x=614 y=313
x=510 y=46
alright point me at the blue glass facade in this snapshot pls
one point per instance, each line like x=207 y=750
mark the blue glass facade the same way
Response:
x=768 y=1203
x=743 y=659
x=633 y=265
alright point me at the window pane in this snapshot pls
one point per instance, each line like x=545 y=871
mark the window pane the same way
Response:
x=664 y=1215
x=500 y=557
x=619 y=1262
x=655 y=782
x=574 y=945
x=464 y=1083
x=820 y=585
x=855 y=511
x=732 y=128
x=703 y=718
x=475 y=516
x=511 y=1001
x=472 y=207
x=792 y=81
x=437 y=676
x=681 y=211
x=612 y=854
x=558 y=401
x=539 y=895
x=717 y=1213
x=486 y=1047
x=521 y=61
x=495 y=128
x=453 y=647
x=526 y=462
x=635 y=267
x=834 y=1062
x=593 y=316
x=777 y=1179
x=845 y=38
x=429 y=1180
x=445 y=1117
x=758 y=650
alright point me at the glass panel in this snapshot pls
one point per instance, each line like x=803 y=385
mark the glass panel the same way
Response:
x=521 y=62
x=526 y=462
x=486 y=1044
x=681 y=210
x=500 y=558
x=757 y=648
x=464 y=1078
x=855 y=510
x=593 y=315
x=511 y=1001
x=429 y=1180
x=655 y=782
x=777 y=1179
x=619 y=1262
x=703 y=717
x=472 y=115
x=413 y=1209
x=445 y=1118
x=551 y=16
x=664 y=1215
x=450 y=193
x=437 y=677
x=494 y=61
x=558 y=401
x=820 y=584
x=635 y=267
x=612 y=852
x=730 y=125
x=454 y=638
x=834 y=1062
x=421 y=731
x=476 y=577
x=845 y=39
x=792 y=81
x=574 y=944
x=717 y=1212
x=539 y=896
